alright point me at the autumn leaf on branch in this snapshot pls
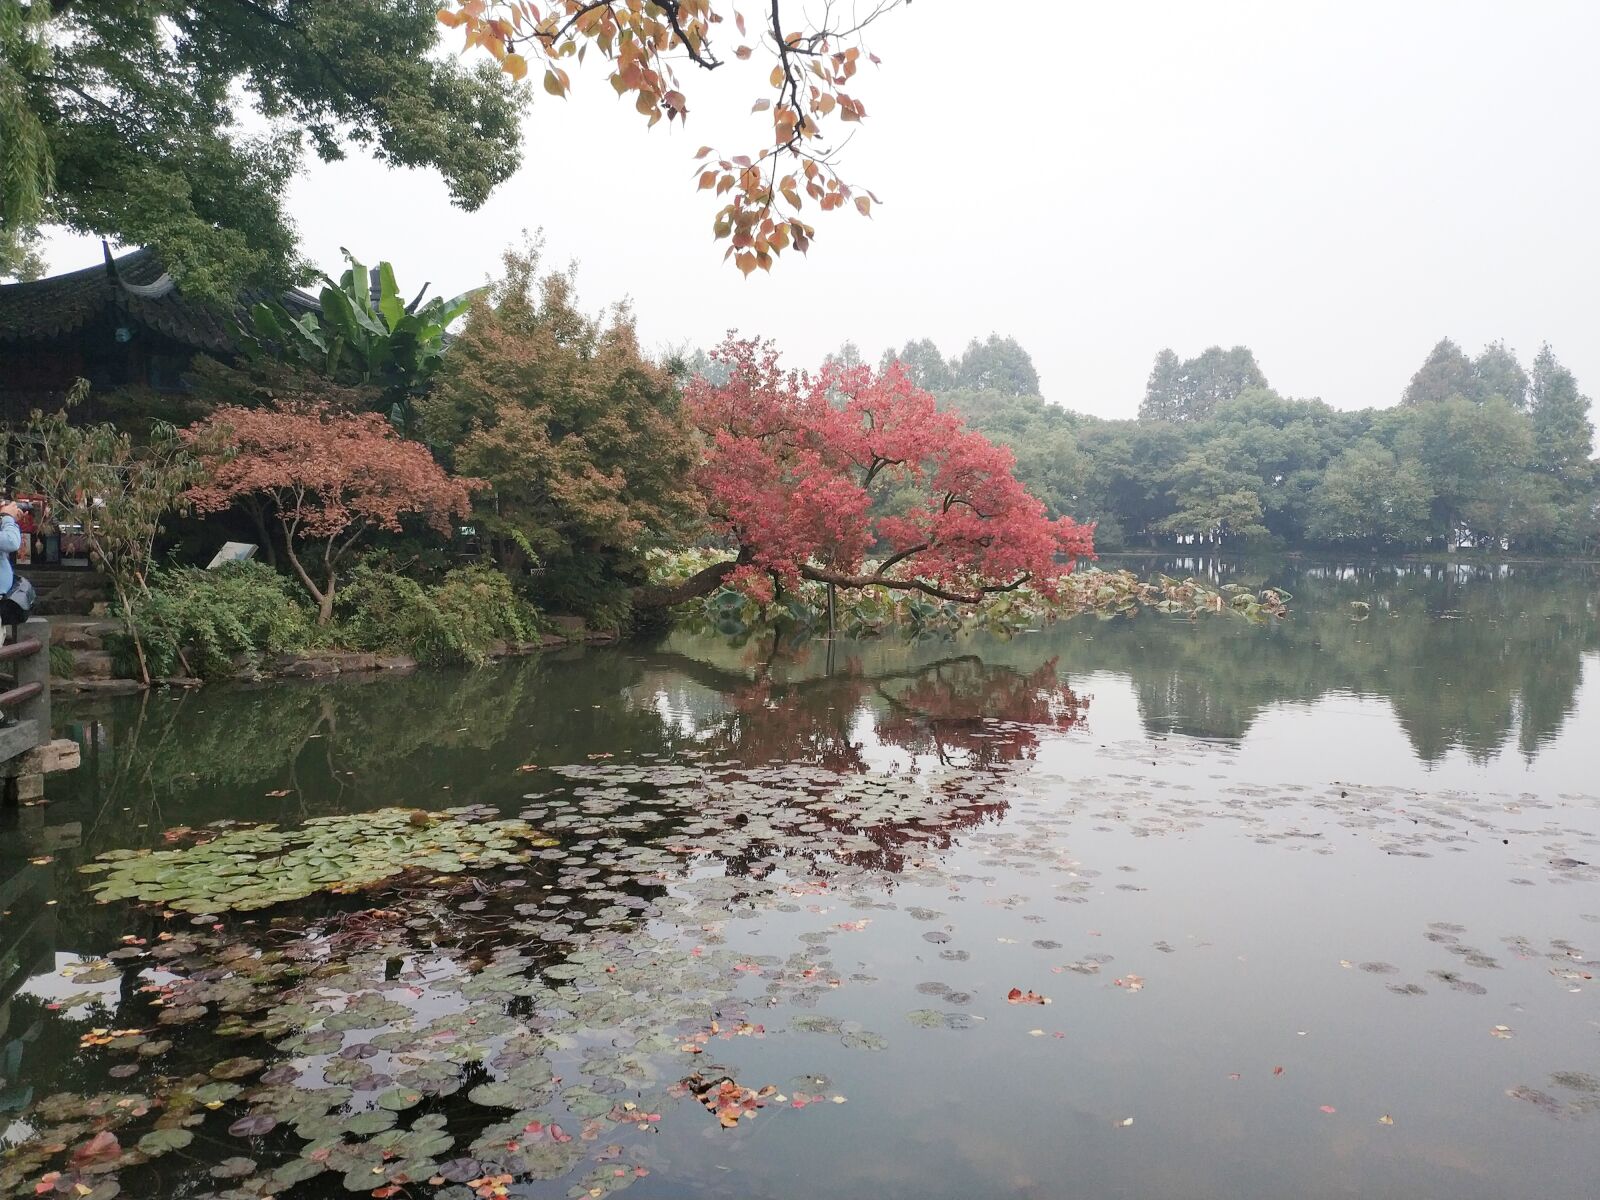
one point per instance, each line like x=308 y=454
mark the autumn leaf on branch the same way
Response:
x=813 y=63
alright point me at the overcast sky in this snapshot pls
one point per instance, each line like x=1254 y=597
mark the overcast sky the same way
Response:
x=1335 y=185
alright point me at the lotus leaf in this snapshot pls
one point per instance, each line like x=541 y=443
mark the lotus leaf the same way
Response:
x=160 y=1141
x=236 y=1068
x=233 y=1168
x=399 y=1099
x=259 y=866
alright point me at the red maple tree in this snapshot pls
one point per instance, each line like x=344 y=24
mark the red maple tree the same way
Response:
x=328 y=477
x=798 y=472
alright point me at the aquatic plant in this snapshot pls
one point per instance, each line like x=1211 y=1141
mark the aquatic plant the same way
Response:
x=257 y=866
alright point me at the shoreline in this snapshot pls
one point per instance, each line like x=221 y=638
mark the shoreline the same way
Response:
x=322 y=664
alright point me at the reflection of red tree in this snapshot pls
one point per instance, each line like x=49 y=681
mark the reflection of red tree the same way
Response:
x=810 y=722
x=962 y=710
x=990 y=715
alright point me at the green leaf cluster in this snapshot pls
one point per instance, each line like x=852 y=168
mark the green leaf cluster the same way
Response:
x=204 y=622
x=360 y=338
x=456 y=620
x=177 y=124
x=261 y=865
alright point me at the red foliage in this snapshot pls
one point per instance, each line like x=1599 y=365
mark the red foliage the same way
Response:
x=795 y=463
x=328 y=477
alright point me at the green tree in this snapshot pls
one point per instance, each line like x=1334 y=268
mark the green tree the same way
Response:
x=1474 y=455
x=120 y=494
x=1192 y=389
x=1498 y=373
x=1128 y=466
x=923 y=363
x=579 y=436
x=1163 y=391
x=121 y=118
x=1446 y=372
x=27 y=172
x=1286 y=445
x=1039 y=434
x=1217 y=496
x=996 y=365
x=1562 y=434
x=1369 y=498
x=1216 y=377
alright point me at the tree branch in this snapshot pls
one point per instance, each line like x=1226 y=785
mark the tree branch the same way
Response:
x=840 y=579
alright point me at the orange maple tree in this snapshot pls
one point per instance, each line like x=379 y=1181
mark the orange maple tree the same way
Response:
x=329 y=477
x=814 y=61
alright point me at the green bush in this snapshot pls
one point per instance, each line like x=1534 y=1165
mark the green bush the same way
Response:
x=210 y=619
x=454 y=621
x=61 y=664
x=596 y=587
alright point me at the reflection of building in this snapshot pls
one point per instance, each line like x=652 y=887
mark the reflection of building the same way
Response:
x=121 y=323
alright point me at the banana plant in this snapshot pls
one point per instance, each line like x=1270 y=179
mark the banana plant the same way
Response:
x=359 y=337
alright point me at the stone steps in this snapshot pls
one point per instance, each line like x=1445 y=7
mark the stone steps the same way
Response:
x=65 y=592
x=81 y=635
x=91 y=664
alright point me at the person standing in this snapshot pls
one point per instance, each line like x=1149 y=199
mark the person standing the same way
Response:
x=10 y=543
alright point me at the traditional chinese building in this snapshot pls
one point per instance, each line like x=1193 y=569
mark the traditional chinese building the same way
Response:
x=123 y=322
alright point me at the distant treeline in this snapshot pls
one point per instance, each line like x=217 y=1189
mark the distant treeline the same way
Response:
x=1479 y=452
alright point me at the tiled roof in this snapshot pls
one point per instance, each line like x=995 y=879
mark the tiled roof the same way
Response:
x=140 y=291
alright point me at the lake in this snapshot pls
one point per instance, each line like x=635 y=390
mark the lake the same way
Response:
x=1146 y=909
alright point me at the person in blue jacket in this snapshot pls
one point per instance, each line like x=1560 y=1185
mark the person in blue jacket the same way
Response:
x=10 y=542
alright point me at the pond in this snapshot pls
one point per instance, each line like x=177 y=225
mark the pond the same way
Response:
x=1112 y=909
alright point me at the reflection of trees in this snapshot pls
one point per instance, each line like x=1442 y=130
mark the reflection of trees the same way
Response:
x=958 y=707
x=966 y=709
x=1466 y=655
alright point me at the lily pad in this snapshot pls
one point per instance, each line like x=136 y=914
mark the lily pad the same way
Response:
x=161 y=1141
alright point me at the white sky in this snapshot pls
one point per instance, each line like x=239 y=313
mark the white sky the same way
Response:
x=1335 y=184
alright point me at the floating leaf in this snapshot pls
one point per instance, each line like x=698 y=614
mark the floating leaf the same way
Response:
x=233 y=1168
x=399 y=1099
x=236 y=1068
x=160 y=1141
x=499 y=1095
x=253 y=1125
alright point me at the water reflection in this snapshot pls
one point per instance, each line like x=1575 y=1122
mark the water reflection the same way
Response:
x=863 y=846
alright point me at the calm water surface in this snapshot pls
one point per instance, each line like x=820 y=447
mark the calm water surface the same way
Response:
x=1316 y=908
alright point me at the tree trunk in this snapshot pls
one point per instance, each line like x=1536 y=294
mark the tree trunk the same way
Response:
x=133 y=630
x=323 y=598
x=701 y=583
x=269 y=551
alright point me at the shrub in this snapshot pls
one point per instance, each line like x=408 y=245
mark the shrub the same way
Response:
x=61 y=664
x=454 y=621
x=596 y=587
x=209 y=619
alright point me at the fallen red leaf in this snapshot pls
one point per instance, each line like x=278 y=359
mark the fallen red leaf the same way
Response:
x=1018 y=996
x=102 y=1147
